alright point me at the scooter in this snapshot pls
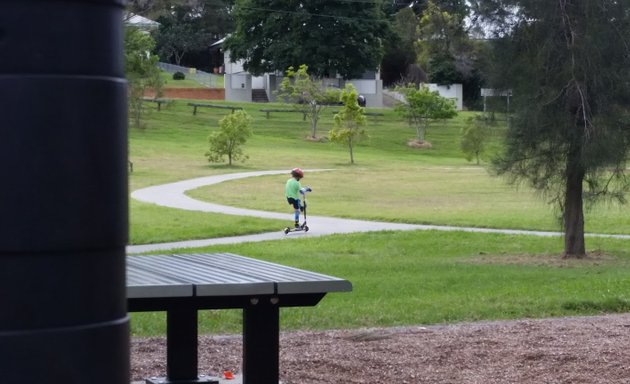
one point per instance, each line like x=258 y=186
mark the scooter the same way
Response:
x=302 y=227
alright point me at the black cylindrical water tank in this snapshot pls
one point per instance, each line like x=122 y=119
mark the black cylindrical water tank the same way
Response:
x=63 y=193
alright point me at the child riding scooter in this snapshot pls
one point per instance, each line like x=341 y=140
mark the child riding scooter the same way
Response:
x=293 y=190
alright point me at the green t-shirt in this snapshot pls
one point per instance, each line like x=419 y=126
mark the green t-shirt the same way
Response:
x=292 y=189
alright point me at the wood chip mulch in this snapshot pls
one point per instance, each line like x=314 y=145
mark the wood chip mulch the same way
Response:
x=560 y=350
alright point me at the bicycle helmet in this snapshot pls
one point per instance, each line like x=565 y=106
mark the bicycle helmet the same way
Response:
x=297 y=172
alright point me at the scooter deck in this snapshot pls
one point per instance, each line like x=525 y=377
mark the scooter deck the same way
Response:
x=301 y=228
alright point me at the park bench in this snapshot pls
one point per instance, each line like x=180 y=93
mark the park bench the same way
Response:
x=159 y=102
x=268 y=111
x=204 y=105
x=183 y=284
x=376 y=114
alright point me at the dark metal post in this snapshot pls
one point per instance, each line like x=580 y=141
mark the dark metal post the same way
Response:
x=182 y=348
x=63 y=193
x=182 y=344
x=261 y=341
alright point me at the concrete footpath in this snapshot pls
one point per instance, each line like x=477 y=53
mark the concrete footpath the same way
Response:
x=173 y=195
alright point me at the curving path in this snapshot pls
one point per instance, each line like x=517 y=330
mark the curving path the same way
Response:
x=173 y=195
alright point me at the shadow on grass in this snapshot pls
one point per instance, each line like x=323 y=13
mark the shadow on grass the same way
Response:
x=612 y=305
x=233 y=167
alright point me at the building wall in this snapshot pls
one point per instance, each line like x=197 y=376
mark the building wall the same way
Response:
x=238 y=87
x=453 y=92
x=272 y=83
x=239 y=84
x=371 y=89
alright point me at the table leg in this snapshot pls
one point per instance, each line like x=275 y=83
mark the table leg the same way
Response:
x=261 y=341
x=181 y=349
x=181 y=344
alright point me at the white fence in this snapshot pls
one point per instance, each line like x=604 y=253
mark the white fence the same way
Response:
x=208 y=79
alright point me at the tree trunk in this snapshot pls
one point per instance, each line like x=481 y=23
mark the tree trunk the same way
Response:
x=178 y=58
x=314 y=118
x=573 y=215
x=351 y=152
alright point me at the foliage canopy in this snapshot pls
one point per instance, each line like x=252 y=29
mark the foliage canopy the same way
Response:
x=307 y=95
x=330 y=36
x=180 y=32
x=422 y=106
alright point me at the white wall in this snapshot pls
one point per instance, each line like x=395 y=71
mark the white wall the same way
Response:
x=258 y=82
x=237 y=82
x=372 y=90
x=230 y=67
x=238 y=87
x=453 y=92
x=272 y=82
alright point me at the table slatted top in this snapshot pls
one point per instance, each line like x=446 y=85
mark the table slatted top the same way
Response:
x=221 y=275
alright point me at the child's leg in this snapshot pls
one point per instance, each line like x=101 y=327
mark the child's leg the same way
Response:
x=296 y=210
x=296 y=214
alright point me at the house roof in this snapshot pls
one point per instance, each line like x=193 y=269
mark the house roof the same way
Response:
x=218 y=42
x=140 y=22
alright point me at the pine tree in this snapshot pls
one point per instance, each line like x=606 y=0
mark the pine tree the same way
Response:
x=566 y=62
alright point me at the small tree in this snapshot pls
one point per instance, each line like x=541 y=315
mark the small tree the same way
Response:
x=422 y=106
x=141 y=70
x=234 y=131
x=308 y=95
x=349 y=121
x=474 y=137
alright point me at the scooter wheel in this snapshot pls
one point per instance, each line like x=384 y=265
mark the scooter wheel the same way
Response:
x=306 y=228
x=287 y=230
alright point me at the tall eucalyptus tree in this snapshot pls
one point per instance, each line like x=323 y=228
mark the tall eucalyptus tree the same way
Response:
x=567 y=63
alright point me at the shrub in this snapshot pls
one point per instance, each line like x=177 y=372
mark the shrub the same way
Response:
x=474 y=136
x=234 y=131
x=178 y=76
x=349 y=122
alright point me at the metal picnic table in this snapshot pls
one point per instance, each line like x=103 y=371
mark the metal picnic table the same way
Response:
x=183 y=284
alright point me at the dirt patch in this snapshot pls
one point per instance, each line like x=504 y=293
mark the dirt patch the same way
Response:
x=564 y=350
x=419 y=144
x=316 y=139
x=547 y=260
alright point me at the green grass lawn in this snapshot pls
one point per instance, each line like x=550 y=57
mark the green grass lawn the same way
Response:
x=169 y=82
x=399 y=278
x=427 y=277
x=460 y=196
x=153 y=224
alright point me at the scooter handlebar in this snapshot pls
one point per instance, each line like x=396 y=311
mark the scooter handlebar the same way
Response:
x=305 y=189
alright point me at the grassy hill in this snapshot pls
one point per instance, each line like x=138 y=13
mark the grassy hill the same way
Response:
x=390 y=181
x=418 y=277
